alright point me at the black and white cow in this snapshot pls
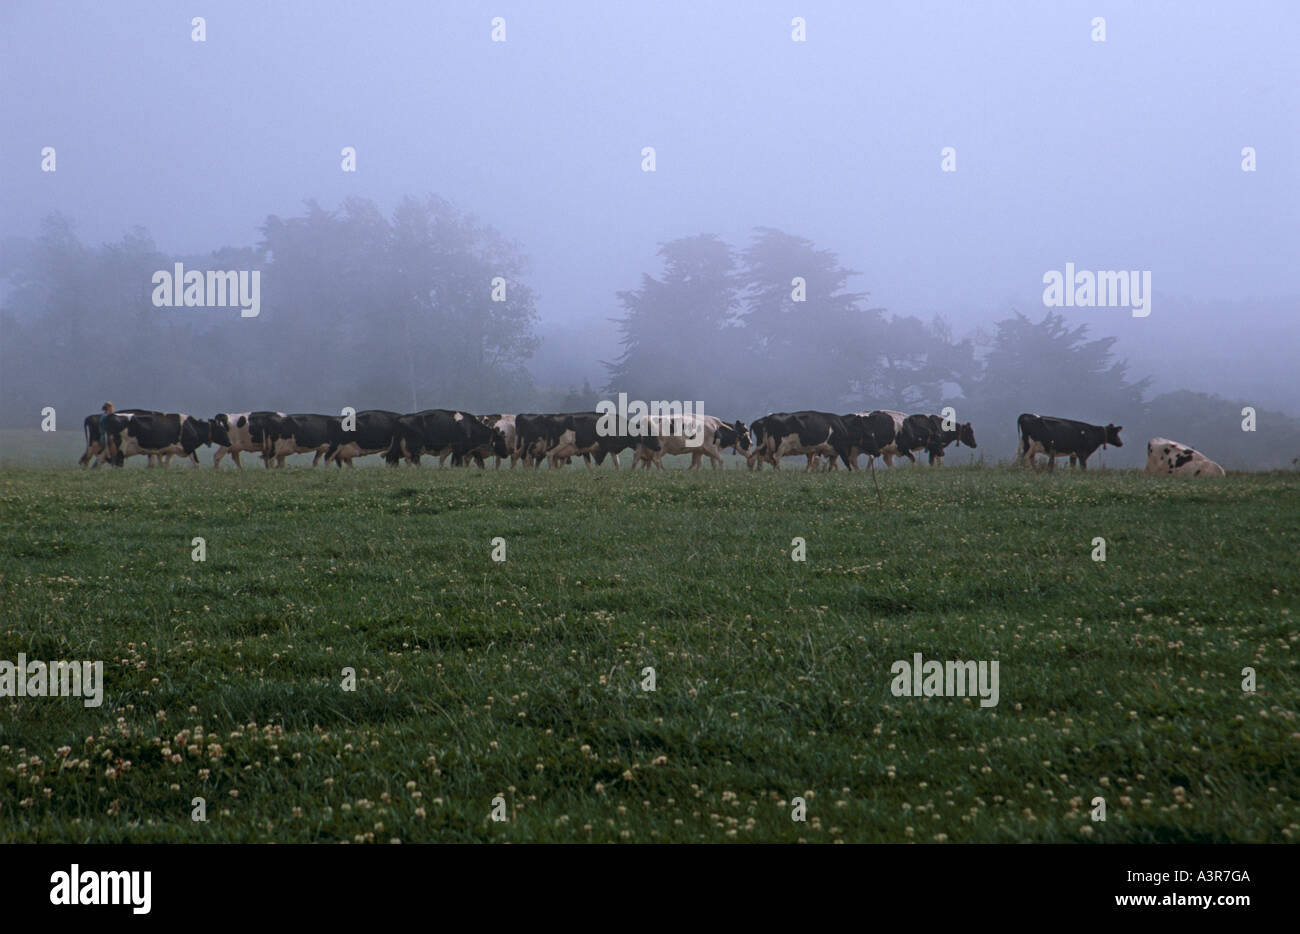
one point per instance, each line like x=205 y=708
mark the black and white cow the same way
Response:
x=536 y=435
x=248 y=431
x=504 y=442
x=760 y=444
x=300 y=433
x=926 y=433
x=580 y=436
x=167 y=434
x=96 y=444
x=870 y=433
x=1062 y=437
x=809 y=433
x=679 y=434
x=372 y=433
x=1169 y=458
x=911 y=433
x=481 y=442
x=733 y=436
x=441 y=433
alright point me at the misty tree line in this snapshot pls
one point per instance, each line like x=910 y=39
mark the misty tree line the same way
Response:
x=397 y=312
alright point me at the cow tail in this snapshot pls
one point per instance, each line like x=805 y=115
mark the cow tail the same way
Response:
x=394 y=455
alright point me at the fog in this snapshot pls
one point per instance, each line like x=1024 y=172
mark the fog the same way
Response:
x=1122 y=154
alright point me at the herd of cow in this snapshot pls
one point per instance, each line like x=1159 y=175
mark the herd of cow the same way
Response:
x=530 y=439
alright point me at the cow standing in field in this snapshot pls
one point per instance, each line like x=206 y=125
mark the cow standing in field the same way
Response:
x=505 y=439
x=697 y=435
x=1169 y=458
x=1062 y=437
x=301 y=433
x=248 y=431
x=808 y=433
x=870 y=433
x=97 y=442
x=536 y=435
x=580 y=436
x=441 y=433
x=920 y=432
x=165 y=435
x=372 y=433
x=924 y=432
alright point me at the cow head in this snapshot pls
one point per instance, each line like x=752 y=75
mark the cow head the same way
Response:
x=1112 y=435
x=499 y=443
x=194 y=433
x=219 y=431
x=966 y=435
x=742 y=435
x=476 y=433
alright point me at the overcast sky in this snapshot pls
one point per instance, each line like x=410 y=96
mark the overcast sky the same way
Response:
x=1123 y=154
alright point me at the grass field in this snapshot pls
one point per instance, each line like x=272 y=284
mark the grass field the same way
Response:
x=523 y=679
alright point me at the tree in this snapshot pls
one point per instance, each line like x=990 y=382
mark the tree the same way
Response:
x=808 y=342
x=918 y=367
x=403 y=312
x=677 y=330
